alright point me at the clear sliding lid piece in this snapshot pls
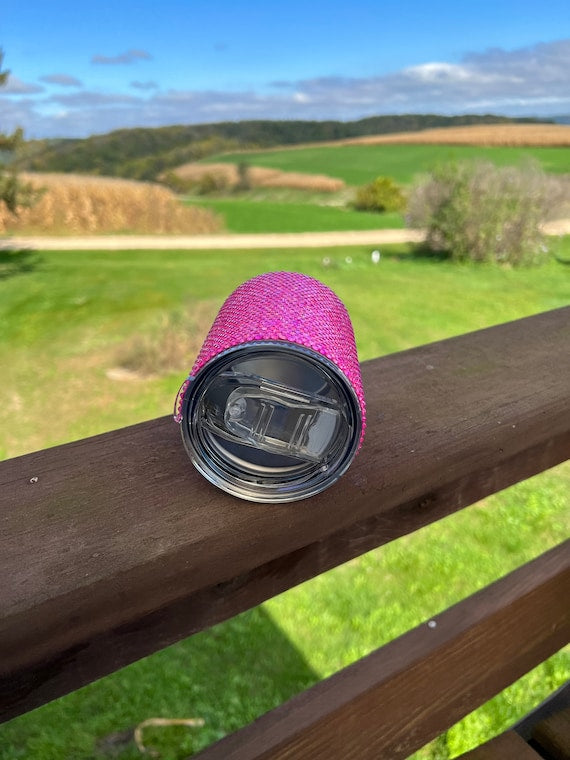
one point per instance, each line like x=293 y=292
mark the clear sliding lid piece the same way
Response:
x=272 y=422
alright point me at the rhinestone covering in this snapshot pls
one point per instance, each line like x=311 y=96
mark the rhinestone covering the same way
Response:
x=288 y=307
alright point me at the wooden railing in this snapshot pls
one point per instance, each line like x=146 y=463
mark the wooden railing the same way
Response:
x=113 y=547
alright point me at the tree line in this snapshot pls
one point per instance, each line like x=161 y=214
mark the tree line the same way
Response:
x=145 y=153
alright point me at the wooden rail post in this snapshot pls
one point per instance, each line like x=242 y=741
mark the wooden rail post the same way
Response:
x=114 y=547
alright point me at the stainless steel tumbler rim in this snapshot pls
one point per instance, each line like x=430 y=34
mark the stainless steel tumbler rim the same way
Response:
x=255 y=481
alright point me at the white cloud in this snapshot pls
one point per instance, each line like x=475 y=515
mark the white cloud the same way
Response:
x=87 y=99
x=15 y=86
x=497 y=76
x=528 y=81
x=438 y=72
x=17 y=112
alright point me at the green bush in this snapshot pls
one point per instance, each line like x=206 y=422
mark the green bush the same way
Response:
x=480 y=212
x=383 y=194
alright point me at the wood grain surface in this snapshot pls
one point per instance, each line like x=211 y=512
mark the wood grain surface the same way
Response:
x=391 y=703
x=552 y=735
x=114 y=546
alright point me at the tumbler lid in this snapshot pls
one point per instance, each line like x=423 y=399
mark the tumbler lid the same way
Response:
x=271 y=421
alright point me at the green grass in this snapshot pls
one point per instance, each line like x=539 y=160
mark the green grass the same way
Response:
x=226 y=676
x=245 y=215
x=66 y=317
x=265 y=211
x=357 y=164
x=344 y=614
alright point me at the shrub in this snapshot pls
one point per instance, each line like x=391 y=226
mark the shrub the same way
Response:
x=211 y=183
x=480 y=212
x=383 y=194
x=176 y=183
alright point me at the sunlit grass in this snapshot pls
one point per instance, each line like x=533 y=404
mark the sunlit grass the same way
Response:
x=267 y=215
x=66 y=319
x=357 y=164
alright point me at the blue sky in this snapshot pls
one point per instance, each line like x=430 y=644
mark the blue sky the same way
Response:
x=86 y=68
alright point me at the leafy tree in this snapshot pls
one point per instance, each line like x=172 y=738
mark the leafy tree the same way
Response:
x=13 y=192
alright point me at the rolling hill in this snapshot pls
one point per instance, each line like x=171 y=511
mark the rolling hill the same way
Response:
x=146 y=153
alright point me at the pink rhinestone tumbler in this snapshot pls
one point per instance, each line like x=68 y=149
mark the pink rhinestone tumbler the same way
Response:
x=273 y=409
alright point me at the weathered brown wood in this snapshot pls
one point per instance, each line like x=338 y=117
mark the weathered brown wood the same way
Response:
x=391 y=703
x=553 y=735
x=113 y=547
x=507 y=746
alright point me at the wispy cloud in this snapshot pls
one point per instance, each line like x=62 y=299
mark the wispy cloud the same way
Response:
x=64 y=80
x=15 y=86
x=144 y=85
x=129 y=57
x=88 y=99
x=498 y=78
x=528 y=81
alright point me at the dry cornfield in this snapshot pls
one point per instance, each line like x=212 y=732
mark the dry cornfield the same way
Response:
x=553 y=135
x=259 y=176
x=75 y=204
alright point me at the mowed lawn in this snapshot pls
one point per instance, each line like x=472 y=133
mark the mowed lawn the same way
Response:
x=263 y=214
x=70 y=322
x=357 y=164
x=265 y=210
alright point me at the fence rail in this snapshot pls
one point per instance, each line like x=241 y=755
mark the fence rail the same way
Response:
x=113 y=547
x=391 y=703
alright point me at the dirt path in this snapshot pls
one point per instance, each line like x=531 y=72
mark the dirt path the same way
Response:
x=213 y=242
x=234 y=242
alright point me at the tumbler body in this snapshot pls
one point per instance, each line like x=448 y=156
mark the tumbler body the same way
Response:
x=273 y=409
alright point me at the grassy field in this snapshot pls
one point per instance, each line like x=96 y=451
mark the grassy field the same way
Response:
x=71 y=322
x=264 y=211
x=261 y=213
x=357 y=164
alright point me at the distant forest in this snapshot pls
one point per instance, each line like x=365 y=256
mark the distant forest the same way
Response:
x=145 y=153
